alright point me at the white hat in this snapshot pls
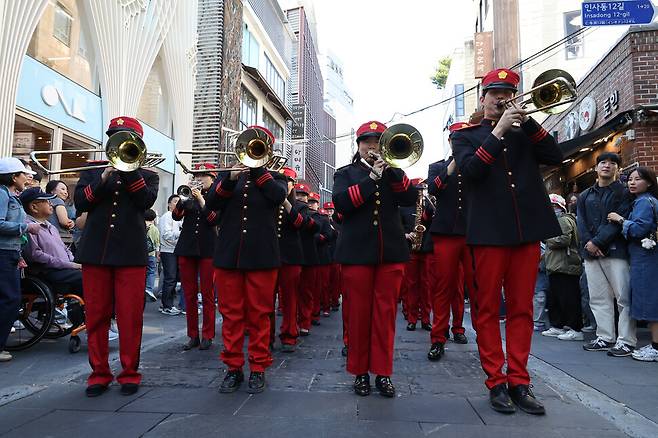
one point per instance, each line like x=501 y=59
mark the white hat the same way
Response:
x=559 y=200
x=9 y=165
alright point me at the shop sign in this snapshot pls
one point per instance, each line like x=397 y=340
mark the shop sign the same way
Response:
x=483 y=47
x=611 y=104
x=52 y=95
x=298 y=158
x=587 y=113
x=298 y=111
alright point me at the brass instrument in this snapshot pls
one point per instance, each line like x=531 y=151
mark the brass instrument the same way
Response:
x=124 y=150
x=401 y=146
x=184 y=191
x=419 y=228
x=252 y=147
x=552 y=89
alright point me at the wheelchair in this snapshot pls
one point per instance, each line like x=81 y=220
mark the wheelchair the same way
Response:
x=44 y=313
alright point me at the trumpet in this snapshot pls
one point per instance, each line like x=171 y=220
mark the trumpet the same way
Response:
x=552 y=89
x=401 y=146
x=252 y=147
x=184 y=191
x=124 y=150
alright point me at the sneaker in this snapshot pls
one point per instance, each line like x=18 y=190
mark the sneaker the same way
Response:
x=175 y=310
x=571 y=335
x=589 y=329
x=183 y=312
x=645 y=354
x=598 y=344
x=13 y=330
x=170 y=311
x=621 y=350
x=18 y=325
x=112 y=335
x=553 y=332
x=539 y=328
x=151 y=296
x=5 y=356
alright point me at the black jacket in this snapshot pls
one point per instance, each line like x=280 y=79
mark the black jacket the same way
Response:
x=288 y=229
x=247 y=237
x=593 y=206
x=307 y=234
x=323 y=238
x=199 y=231
x=450 y=193
x=336 y=225
x=372 y=231
x=507 y=201
x=115 y=232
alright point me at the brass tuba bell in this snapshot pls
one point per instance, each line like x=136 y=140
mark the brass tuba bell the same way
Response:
x=401 y=145
x=549 y=93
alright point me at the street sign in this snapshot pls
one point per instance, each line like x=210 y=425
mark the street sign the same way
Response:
x=298 y=111
x=605 y=13
x=298 y=159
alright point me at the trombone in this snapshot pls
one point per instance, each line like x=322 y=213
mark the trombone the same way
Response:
x=252 y=147
x=401 y=146
x=551 y=89
x=124 y=150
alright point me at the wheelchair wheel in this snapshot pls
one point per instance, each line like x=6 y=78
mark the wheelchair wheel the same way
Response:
x=34 y=316
x=74 y=344
x=68 y=315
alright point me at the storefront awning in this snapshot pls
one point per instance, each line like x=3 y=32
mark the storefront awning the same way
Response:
x=264 y=86
x=619 y=122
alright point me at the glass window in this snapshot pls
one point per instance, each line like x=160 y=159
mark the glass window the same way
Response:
x=250 y=48
x=274 y=79
x=75 y=159
x=574 y=45
x=459 y=100
x=31 y=136
x=248 y=108
x=270 y=123
x=61 y=41
x=154 y=103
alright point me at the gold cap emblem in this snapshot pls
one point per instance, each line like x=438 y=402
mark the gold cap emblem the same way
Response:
x=120 y=122
x=502 y=74
x=373 y=125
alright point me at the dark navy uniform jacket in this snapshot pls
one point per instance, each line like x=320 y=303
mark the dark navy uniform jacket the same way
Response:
x=507 y=201
x=336 y=225
x=372 y=231
x=409 y=222
x=249 y=207
x=323 y=238
x=307 y=234
x=199 y=230
x=288 y=229
x=115 y=232
x=450 y=193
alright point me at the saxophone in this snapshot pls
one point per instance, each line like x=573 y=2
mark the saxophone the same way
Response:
x=419 y=228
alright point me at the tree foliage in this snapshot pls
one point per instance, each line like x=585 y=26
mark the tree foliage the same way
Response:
x=441 y=74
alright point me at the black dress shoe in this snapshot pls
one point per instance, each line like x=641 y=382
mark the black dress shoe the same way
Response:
x=362 y=384
x=303 y=332
x=256 y=382
x=315 y=322
x=95 y=390
x=335 y=308
x=411 y=327
x=231 y=382
x=525 y=399
x=343 y=352
x=426 y=326
x=192 y=343
x=500 y=400
x=385 y=386
x=129 y=388
x=459 y=338
x=205 y=344
x=436 y=352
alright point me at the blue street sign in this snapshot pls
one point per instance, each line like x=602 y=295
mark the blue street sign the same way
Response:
x=605 y=13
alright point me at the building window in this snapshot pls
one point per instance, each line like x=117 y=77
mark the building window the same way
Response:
x=30 y=136
x=270 y=123
x=248 y=108
x=250 y=48
x=274 y=79
x=61 y=41
x=153 y=106
x=459 y=100
x=574 y=45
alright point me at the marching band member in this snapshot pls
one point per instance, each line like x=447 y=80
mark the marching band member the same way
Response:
x=310 y=263
x=323 y=238
x=372 y=251
x=509 y=213
x=246 y=261
x=334 y=271
x=194 y=250
x=292 y=217
x=113 y=255
x=451 y=261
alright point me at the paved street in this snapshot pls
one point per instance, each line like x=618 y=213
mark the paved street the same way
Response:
x=310 y=394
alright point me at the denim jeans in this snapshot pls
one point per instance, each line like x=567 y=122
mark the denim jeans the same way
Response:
x=584 y=301
x=10 y=292
x=151 y=270
x=540 y=316
x=169 y=276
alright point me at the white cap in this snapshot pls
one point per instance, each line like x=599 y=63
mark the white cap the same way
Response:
x=558 y=200
x=9 y=165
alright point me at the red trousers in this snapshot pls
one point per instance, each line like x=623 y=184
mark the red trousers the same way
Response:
x=289 y=277
x=515 y=269
x=418 y=286
x=451 y=265
x=196 y=275
x=118 y=288
x=373 y=297
x=334 y=284
x=306 y=290
x=345 y=311
x=245 y=302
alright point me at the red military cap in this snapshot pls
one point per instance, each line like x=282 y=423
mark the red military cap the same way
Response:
x=289 y=173
x=501 y=78
x=323 y=212
x=124 y=123
x=370 y=129
x=328 y=206
x=302 y=188
x=267 y=131
x=457 y=126
x=314 y=197
x=207 y=166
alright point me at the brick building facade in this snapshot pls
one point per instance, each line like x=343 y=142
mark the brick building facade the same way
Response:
x=616 y=110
